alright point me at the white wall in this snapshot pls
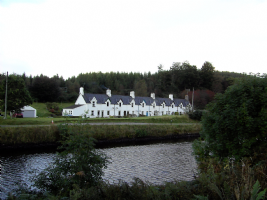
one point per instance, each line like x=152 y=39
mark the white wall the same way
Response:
x=101 y=110
x=80 y=100
x=28 y=111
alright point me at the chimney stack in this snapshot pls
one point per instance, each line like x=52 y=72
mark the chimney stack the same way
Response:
x=186 y=97
x=171 y=96
x=108 y=92
x=152 y=95
x=81 y=91
x=132 y=94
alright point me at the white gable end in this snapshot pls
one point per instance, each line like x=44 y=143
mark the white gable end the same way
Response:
x=80 y=100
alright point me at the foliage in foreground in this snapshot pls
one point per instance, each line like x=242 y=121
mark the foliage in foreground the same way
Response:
x=78 y=164
x=232 y=182
x=234 y=141
x=196 y=115
x=236 y=122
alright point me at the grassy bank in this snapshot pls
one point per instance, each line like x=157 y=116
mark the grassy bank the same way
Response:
x=43 y=134
x=58 y=120
x=28 y=135
x=135 y=131
x=42 y=111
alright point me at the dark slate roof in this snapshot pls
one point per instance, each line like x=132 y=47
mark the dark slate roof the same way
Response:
x=125 y=99
x=114 y=99
x=147 y=100
x=179 y=101
x=73 y=106
x=101 y=98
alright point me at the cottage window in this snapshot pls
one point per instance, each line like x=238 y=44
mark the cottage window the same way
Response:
x=92 y=113
x=119 y=113
x=143 y=104
x=132 y=105
x=93 y=104
x=120 y=104
x=172 y=106
x=153 y=105
x=162 y=105
x=107 y=104
x=107 y=112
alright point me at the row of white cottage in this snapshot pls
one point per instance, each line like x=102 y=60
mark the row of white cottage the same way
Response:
x=106 y=105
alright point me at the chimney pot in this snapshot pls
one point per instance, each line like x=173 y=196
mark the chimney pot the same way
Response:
x=81 y=91
x=132 y=94
x=108 y=92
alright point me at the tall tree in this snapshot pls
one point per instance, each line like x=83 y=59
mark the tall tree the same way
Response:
x=17 y=95
x=140 y=88
x=45 y=89
x=185 y=76
x=217 y=82
x=207 y=75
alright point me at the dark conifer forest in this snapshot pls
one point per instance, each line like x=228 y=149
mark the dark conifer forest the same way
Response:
x=179 y=79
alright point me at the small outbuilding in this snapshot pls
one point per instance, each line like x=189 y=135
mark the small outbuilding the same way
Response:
x=28 y=111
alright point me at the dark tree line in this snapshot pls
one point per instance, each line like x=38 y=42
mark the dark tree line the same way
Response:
x=175 y=80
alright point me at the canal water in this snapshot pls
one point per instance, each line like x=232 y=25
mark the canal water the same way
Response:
x=156 y=163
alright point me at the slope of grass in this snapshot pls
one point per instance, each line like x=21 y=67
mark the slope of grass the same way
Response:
x=42 y=110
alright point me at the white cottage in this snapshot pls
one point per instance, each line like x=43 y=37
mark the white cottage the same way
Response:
x=106 y=105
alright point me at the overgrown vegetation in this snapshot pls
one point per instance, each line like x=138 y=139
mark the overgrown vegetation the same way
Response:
x=78 y=165
x=29 y=135
x=234 y=141
x=196 y=115
x=43 y=134
x=235 y=123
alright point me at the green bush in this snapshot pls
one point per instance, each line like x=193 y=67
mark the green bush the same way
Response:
x=235 y=124
x=196 y=115
x=78 y=164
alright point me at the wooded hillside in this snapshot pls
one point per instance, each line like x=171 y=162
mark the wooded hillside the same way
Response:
x=175 y=80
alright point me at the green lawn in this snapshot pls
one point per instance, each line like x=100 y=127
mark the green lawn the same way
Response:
x=43 y=112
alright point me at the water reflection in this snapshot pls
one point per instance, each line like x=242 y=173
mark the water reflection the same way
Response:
x=156 y=163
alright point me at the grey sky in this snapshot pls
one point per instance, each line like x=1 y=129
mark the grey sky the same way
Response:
x=71 y=37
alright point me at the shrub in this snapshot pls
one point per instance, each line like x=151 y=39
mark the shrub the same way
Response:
x=235 y=124
x=196 y=115
x=78 y=164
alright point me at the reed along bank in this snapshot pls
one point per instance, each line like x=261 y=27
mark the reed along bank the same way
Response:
x=40 y=136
